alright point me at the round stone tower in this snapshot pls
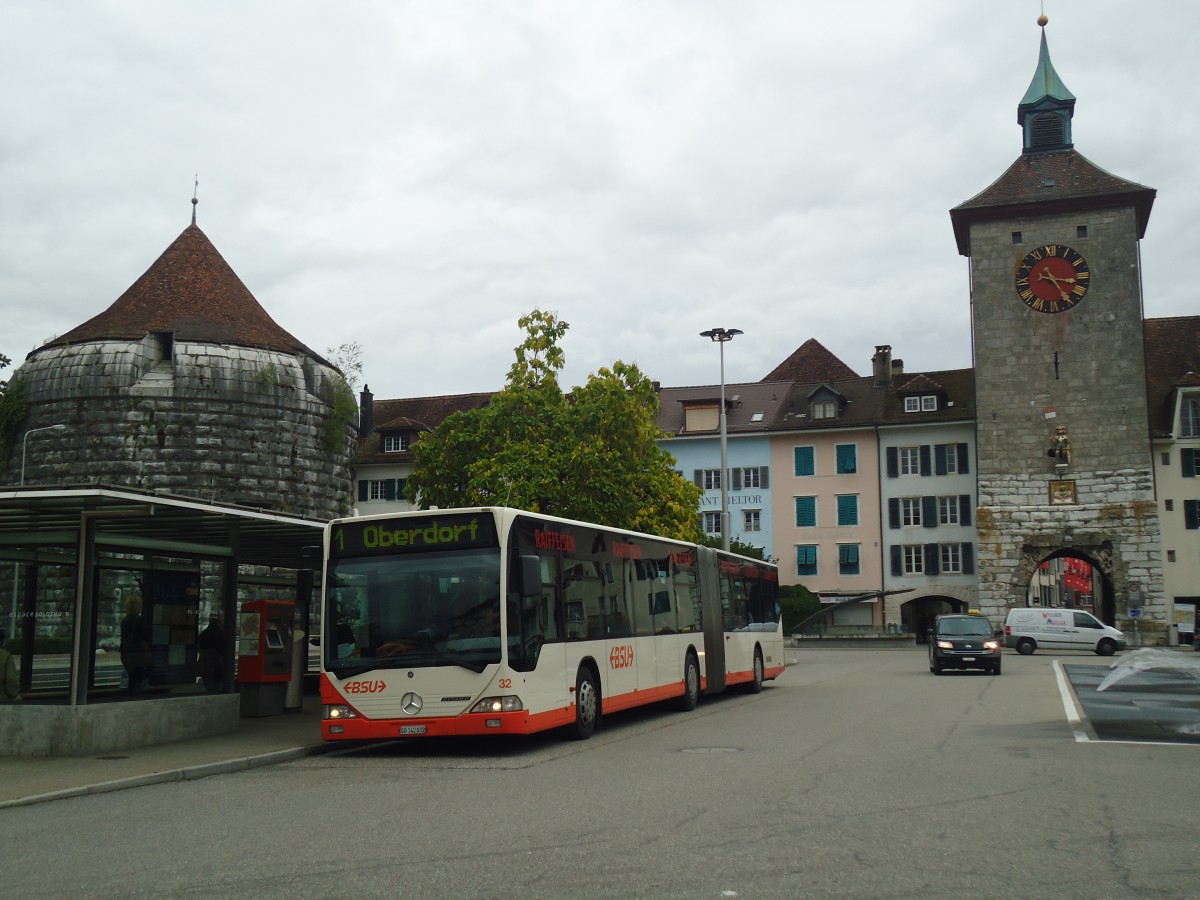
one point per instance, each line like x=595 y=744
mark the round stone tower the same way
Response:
x=187 y=386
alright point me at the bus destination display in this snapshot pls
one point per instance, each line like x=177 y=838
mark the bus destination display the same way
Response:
x=413 y=535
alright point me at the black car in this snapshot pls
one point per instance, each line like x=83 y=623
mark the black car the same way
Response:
x=963 y=642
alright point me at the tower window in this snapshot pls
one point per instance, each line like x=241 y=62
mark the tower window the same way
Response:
x=1047 y=130
x=1016 y=237
x=1080 y=231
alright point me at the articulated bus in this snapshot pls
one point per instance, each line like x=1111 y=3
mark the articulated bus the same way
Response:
x=498 y=621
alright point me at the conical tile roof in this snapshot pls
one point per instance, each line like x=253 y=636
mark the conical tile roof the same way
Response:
x=193 y=294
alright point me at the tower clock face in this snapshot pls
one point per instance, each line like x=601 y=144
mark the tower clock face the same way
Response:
x=1052 y=278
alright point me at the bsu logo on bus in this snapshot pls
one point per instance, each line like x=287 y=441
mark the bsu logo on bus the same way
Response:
x=621 y=657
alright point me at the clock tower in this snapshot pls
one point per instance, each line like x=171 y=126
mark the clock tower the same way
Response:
x=1064 y=457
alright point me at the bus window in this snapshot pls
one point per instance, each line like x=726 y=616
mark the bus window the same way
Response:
x=532 y=621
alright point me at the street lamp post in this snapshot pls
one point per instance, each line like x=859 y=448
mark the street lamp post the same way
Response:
x=721 y=336
x=12 y=631
x=25 y=444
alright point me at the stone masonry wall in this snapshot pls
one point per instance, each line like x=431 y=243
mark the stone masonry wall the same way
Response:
x=218 y=423
x=1083 y=369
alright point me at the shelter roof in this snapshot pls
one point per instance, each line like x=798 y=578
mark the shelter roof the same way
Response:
x=133 y=520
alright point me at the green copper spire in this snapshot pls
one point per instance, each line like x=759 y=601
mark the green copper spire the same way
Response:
x=1046 y=82
x=1045 y=111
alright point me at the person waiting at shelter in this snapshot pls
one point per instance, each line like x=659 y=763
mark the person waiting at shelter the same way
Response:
x=10 y=679
x=211 y=647
x=135 y=645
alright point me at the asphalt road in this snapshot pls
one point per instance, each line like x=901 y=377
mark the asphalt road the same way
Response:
x=857 y=774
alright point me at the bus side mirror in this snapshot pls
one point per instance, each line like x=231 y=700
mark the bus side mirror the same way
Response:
x=531 y=576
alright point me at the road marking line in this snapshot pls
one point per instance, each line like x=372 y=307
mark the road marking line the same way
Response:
x=1074 y=712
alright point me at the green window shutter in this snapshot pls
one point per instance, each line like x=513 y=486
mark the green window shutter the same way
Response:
x=389 y=489
x=926 y=464
x=893 y=462
x=893 y=512
x=933 y=562
x=847 y=509
x=897 y=554
x=1191 y=513
x=968 y=559
x=929 y=512
x=964 y=509
x=806 y=512
x=939 y=459
x=763 y=480
x=364 y=489
x=846 y=459
x=804 y=460
x=1187 y=459
x=964 y=460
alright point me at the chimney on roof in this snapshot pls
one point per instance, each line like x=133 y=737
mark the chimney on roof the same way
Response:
x=897 y=367
x=366 y=413
x=881 y=365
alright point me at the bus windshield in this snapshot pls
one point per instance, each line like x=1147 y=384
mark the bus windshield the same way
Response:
x=420 y=609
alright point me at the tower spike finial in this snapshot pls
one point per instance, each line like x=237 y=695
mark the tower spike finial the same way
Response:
x=195 y=191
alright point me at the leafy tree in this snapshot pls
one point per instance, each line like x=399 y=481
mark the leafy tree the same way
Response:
x=592 y=456
x=798 y=604
x=13 y=410
x=737 y=545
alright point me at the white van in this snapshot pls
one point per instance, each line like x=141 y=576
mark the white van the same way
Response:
x=1026 y=629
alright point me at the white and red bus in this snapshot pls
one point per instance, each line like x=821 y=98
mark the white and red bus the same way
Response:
x=498 y=621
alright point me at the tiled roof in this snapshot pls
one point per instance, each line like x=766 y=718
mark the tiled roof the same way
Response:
x=744 y=404
x=811 y=362
x=192 y=293
x=866 y=404
x=412 y=415
x=1063 y=178
x=1172 y=360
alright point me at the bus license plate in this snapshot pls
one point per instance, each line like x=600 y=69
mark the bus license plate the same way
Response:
x=968 y=659
x=412 y=729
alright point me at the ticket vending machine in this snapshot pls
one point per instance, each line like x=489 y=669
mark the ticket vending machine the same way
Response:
x=265 y=655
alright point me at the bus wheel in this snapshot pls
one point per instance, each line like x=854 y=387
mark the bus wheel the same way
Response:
x=691 y=684
x=587 y=704
x=755 y=686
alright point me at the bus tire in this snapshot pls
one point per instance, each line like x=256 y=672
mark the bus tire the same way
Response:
x=691 y=683
x=587 y=704
x=756 y=683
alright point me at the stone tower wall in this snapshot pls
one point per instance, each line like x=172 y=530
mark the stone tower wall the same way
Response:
x=1083 y=369
x=215 y=422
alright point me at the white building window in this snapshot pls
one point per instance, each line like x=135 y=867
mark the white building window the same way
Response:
x=948 y=510
x=914 y=559
x=751 y=520
x=395 y=443
x=952 y=559
x=711 y=522
x=910 y=510
x=910 y=460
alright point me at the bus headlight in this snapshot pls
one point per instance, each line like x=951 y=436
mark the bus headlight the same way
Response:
x=340 y=711
x=509 y=703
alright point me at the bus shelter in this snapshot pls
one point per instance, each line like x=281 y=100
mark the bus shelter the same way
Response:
x=77 y=562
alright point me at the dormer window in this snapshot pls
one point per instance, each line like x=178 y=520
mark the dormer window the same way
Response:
x=701 y=418
x=824 y=409
x=395 y=443
x=922 y=403
x=1189 y=417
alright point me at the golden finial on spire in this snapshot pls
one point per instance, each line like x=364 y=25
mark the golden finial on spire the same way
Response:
x=1042 y=20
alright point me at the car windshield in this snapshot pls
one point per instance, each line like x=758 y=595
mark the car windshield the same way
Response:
x=968 y=626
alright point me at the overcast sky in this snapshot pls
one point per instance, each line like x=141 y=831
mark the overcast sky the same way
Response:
x=416 y=176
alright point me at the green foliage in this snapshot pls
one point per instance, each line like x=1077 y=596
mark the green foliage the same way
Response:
x=268 y=376
x=348 y=358
x=797 y=603
x=737 y=545
x=342 y=410
x=591 y=456
x=14 y=408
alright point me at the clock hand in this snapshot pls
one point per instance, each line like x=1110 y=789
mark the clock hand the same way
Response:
x=1049 y=276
